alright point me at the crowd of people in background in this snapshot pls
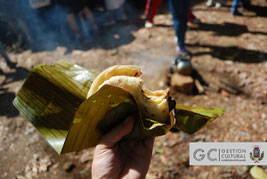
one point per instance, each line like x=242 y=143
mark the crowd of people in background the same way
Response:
x=234 y=10
x=33 y=20
x=182 y=13
x=36 y=21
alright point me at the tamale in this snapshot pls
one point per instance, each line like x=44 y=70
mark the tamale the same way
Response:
x=73 y=107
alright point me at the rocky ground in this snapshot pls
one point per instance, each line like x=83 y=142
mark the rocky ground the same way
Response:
x=232 y=49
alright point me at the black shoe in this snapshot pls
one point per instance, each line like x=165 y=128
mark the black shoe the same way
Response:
x=184 y=54
x=236 y=13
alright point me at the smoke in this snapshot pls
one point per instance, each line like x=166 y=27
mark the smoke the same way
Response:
x=48 y=27
x=44 y=28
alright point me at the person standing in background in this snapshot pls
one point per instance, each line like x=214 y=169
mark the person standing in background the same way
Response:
x=150 y=11
x=235 y=11
x=74 y=8
x=113 y=5
x=13 y=13
x=179 y=12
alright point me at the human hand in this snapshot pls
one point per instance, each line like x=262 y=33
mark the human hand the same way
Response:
x=114 y=158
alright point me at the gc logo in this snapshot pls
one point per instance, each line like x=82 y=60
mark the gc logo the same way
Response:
x=199 y=154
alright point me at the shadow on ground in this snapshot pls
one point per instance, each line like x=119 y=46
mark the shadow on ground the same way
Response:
x=7 y=109
x=6 y=97
x=226 y=29
x=232 y=53
x=259 y=11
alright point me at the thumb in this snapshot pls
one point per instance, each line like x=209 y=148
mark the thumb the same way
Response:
x=116 y=134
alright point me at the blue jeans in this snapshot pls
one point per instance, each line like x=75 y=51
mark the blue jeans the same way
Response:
x=236 y=2
x=179 y=12
x=235 y=5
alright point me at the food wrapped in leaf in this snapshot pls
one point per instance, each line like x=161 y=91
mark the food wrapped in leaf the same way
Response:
x=73 y=107
x=152 y=104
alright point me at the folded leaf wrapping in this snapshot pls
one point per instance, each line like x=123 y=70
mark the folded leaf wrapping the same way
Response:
x=53 y=99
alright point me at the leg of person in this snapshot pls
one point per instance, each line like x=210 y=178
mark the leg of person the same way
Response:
x=73 y=25
x=111 y=6
x=179 y=11
x=153 y=11
x=148 y=8
x=234 y=9
x=111 y=17
x=122 y=11
x=90 y=17
x=25 y=29
x=149 y=4
x=13 y=27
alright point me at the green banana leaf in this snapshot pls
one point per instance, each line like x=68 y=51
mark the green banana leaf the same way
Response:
x=50 y=97
x=190 y=119
x=53 y=99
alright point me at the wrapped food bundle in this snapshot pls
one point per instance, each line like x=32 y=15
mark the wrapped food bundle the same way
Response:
x=73 y=107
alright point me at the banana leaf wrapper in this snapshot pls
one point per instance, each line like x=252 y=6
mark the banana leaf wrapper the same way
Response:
x=53 y=99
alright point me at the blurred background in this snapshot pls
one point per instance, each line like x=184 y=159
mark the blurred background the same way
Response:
x=228 y=43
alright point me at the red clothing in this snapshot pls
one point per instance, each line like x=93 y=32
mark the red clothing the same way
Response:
x=191 y=16
x=151 y=9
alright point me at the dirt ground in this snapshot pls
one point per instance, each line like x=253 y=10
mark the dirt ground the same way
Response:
x=224 y=47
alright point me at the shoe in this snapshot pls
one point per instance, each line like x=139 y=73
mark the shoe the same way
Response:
x=196 y=21
x=148 y=25
x=236 y=13
x=183 y=53
x=218 y=5
x=209 y=3
x=175 y=39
